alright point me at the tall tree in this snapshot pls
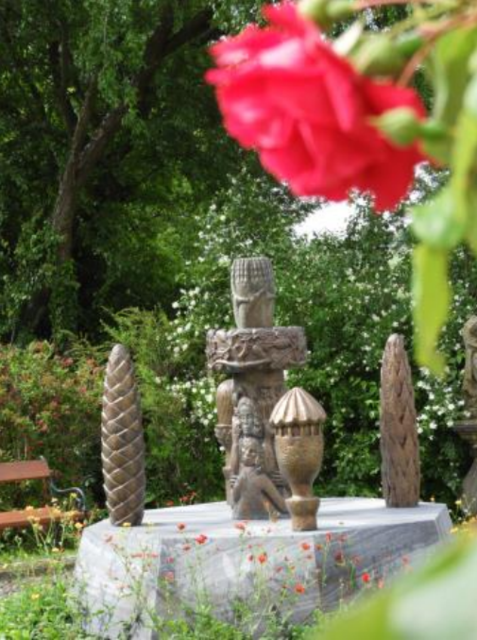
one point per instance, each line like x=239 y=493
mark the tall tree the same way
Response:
x=101 y=102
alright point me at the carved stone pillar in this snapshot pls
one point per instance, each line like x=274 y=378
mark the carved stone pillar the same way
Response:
x=400 y=468
x=255 y=355
x=122 y=441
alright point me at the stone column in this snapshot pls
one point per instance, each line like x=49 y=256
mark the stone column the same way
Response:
x=255 y=355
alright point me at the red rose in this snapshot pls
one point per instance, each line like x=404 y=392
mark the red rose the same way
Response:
x=284 y=92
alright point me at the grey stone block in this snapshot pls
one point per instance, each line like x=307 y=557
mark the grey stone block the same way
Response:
x=126 y=576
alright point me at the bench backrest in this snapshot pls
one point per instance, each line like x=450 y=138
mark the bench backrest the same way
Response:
x=26 y=470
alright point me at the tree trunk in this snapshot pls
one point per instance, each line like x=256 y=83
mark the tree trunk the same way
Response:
x=64 y=211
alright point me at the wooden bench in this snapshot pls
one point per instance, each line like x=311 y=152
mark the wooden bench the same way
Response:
x=37 y=470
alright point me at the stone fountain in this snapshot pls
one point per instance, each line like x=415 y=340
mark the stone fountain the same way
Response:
x=244 y=552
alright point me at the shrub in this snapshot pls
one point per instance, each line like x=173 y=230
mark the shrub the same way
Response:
x=50 y=406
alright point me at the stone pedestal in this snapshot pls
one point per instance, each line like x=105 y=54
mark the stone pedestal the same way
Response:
x=184 y=556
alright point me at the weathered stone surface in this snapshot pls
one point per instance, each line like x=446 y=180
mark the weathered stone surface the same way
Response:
x=183 y=556
x=253 y=292
x=469 y=333
x=468 y=432
x=256 y=354
x=238 y=350
x=400 y=469
x=122 y=441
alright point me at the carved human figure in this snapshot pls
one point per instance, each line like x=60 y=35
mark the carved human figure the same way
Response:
x=470 y=372
x=246 y=423
x=254 y=494
x=253 y=292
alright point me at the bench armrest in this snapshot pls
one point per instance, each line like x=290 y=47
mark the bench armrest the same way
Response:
x=80 y=498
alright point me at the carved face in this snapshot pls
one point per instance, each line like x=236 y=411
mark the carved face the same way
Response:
x=253 y=309
x=251 y=452
x=253 y=292
x=249 y=420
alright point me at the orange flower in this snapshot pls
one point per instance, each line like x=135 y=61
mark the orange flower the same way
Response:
x=186 y=547
x=339 y=557
x=240 y=526
x=201 y=539
x=262 y=558
x=250 y=558
x=305 y=546
x=170 y=503
x=181 y=526
x=329 y=537
x=299 y=588
x=366 y=578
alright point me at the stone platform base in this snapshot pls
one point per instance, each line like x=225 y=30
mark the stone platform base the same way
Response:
x=185 y=557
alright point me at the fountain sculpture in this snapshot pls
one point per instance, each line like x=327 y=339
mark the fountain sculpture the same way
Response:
x=255 y=354
x=162 y=564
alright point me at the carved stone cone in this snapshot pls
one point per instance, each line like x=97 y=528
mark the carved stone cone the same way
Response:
x=122 y=441
x=400 y=469
x=297 y=419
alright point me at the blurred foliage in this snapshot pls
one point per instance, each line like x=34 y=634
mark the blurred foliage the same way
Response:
x=436 y=602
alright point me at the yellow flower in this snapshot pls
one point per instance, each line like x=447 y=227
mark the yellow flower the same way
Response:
x=454 y=530
x=29 y=508
x=35 y=596
x=55 y=550
x=432 y=499
x=79 y=526
x=458 y=503
x=126 y=524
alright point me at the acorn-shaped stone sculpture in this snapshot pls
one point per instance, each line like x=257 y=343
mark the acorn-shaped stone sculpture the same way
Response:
x=400 y=470
x=297 y=419
x=122 y=441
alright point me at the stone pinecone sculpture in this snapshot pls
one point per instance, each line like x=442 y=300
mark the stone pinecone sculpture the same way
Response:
x=122 y=441
x=399 y=444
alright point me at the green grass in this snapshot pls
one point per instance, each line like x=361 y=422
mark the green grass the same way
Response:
x=44 y=610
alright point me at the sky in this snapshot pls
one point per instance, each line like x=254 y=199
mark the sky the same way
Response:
x=331 y=218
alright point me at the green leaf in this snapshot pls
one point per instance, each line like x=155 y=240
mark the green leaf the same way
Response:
x=432 y=293
x=450 y=71
x=463 y=185
x=436 y=224
x=471 y=233
x=470 y=97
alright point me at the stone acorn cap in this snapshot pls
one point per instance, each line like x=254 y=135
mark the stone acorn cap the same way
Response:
x=297 y=407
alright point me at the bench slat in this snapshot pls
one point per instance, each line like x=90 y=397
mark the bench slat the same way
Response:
x=26 y=470
x=24 y=518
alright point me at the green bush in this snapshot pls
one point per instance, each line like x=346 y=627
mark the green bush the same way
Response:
x=50 y=406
